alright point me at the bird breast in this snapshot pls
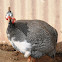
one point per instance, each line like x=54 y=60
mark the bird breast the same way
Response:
x=22 y=46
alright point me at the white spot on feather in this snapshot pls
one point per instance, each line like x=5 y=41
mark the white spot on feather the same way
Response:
x=27 y=54
x=8 y=35
x=23 y=46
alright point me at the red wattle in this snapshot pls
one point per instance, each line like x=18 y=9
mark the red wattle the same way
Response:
x=13 y=20
x=9 y=17
x=6 y=18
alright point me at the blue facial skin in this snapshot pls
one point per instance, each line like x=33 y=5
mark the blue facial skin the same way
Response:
x=9 y=13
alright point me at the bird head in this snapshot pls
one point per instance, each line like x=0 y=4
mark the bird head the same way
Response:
x=9 y=16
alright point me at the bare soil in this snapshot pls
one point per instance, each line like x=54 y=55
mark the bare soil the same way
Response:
x=9 y=54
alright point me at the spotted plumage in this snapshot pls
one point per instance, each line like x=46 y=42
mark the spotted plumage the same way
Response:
x=33 y=37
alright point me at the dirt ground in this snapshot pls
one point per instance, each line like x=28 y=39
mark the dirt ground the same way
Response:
x=8 y=54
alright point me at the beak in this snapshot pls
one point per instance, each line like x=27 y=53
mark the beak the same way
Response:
x=9 y=18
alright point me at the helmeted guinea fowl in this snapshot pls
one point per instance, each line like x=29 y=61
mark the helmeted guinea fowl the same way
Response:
x=33 y=38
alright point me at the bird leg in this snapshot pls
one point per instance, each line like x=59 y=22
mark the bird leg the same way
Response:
x=29 y=59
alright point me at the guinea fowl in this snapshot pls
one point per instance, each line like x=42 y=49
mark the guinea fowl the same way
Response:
x=33 y=38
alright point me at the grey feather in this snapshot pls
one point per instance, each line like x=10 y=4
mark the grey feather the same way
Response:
x=40 y=34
